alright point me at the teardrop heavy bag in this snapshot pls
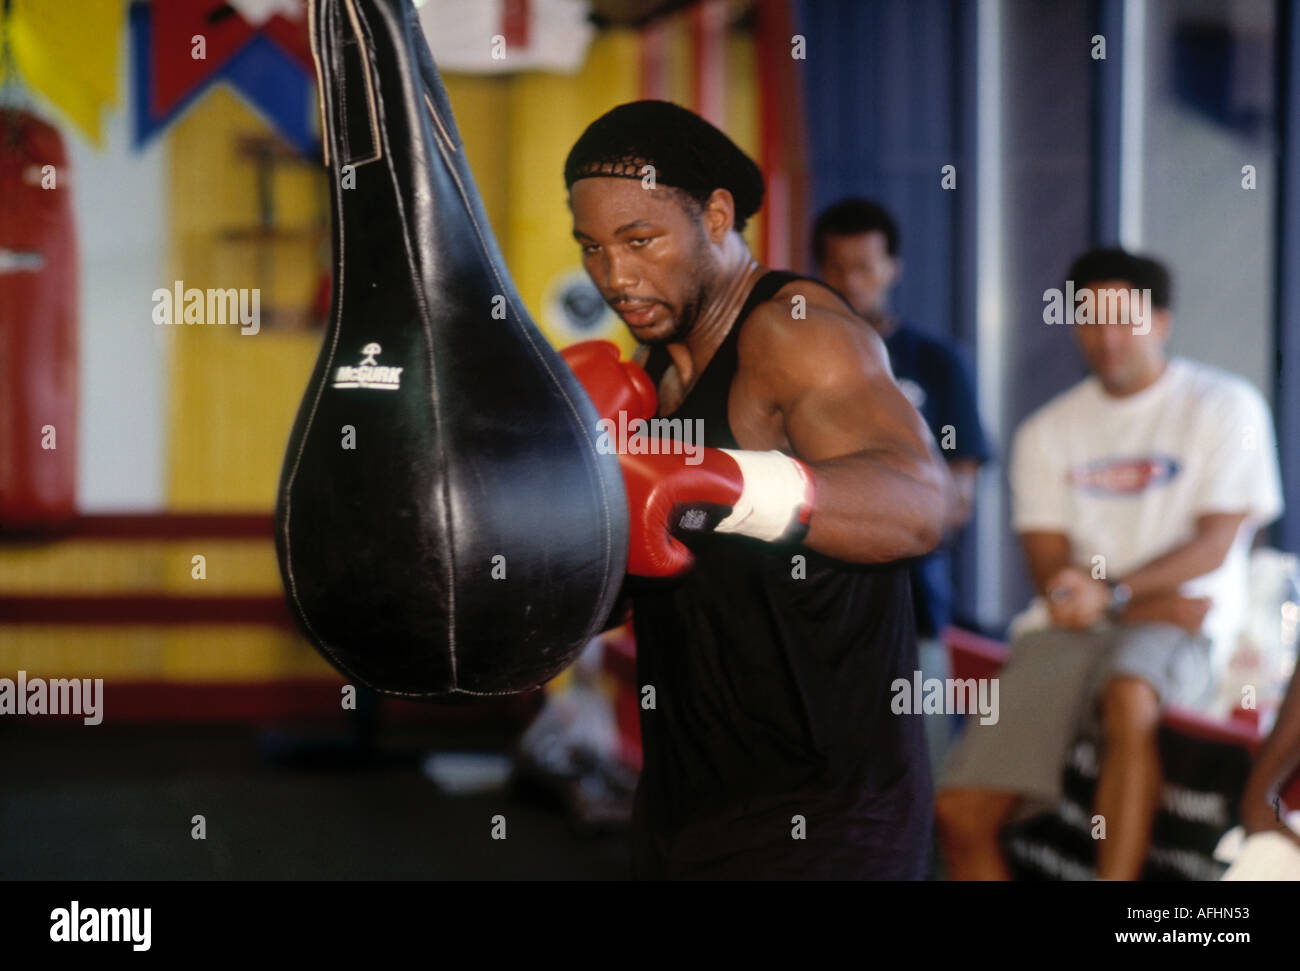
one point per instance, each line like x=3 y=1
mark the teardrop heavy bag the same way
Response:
x=445 y=523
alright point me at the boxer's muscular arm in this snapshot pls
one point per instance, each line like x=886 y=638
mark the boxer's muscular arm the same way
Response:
x=882 y=490
x=1277 y=761
x=965 y=473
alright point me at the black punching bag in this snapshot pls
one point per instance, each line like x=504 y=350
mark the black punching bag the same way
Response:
x=445 y=524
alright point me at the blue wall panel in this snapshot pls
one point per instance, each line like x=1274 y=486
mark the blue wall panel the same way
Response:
x=880 y=86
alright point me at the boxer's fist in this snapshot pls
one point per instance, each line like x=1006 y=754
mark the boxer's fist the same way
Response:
x=664 y=493
x=612 y=385
x=765 y=495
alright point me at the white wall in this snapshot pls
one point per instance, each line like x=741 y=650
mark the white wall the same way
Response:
x=119 y=196
x=1216 y=237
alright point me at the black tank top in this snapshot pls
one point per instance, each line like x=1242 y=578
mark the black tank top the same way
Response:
x=772 y=690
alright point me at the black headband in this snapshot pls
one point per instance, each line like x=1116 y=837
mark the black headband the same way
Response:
x=686 y=152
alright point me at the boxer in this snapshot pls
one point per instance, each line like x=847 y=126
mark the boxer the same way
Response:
x=771 y=610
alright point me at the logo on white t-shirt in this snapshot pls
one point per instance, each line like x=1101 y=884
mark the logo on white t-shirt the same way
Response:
x=1124 y=476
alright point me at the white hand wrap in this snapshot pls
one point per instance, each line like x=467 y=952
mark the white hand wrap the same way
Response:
x=776 y=500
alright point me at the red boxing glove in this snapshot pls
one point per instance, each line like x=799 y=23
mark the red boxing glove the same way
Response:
x=612 y=385
x=765 y=495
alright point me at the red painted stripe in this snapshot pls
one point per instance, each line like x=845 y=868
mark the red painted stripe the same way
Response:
x=971 y=652
x=515 y=26
x=783 y=139
x=236 y=701
x=984 y=647
x=776 y=236
x=146 y=609
x=654 y=73
x=709 y=52
x=159 y=526
x=1196 y=725
x=772 y=50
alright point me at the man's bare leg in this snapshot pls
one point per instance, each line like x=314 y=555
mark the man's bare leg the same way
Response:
x=1128 y=783
x=969 y=823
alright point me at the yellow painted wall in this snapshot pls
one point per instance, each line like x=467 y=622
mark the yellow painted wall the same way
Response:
x=546 y=114
x=239 y=567
x=233 y=398
x=679 y=71
x=481 y=105
x=186 y=653
x=142 y=652
x=231 y=401
x=742 y=120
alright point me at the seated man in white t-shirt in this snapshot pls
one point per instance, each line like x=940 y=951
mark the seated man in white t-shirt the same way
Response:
x=1136 y=495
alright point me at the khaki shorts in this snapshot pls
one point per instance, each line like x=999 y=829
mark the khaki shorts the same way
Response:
x=1049 y=693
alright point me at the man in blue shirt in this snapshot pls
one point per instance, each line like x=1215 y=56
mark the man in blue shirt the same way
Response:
x=856 y=246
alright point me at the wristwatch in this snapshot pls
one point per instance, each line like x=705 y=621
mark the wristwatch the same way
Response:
x=1120 y=595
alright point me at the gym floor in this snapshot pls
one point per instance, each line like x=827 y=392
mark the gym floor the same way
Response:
x=116 y=803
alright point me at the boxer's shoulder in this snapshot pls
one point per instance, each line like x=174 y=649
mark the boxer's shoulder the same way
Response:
x=804 y=327
x=813 y=292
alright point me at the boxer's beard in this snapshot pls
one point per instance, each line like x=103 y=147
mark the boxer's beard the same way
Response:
x=701 y=287
x=685 y=321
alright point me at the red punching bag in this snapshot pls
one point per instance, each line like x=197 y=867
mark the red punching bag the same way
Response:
x=38 y=326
